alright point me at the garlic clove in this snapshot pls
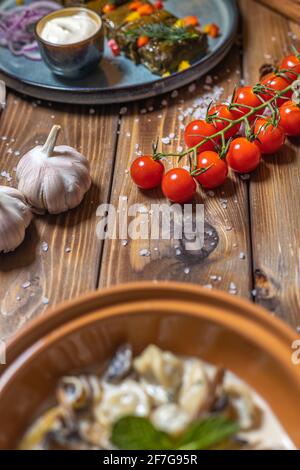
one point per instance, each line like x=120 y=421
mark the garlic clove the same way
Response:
x=53 y=178
x=15 y=216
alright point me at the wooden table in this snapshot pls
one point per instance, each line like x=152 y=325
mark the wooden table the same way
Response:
x=260 y=217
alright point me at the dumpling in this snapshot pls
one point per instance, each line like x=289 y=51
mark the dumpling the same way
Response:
x=160 y=367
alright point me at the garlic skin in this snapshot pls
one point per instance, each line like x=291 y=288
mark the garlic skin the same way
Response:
x=15 y=216
x=53 y=178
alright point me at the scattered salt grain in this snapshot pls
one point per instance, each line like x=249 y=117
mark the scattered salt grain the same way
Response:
x=6 y=175
x=16 y=153
x=166 y=140
x=92 y=111
x=192 y=88
x=123 y=110
x=172 y=136
x=178 y=251
x=232 y=288
x=26 y=284
x=145 y=252
x=210 y=193
x=68 y=249
x=124 y=242
x=143 y=111
x=164 y=103
x=214 y=278
x=174 y=94
x=44 y=246
x=245 y=177
x=254 y=292
x=186 y=270
x=242 y=255
x=45 y=300
x=179 y=149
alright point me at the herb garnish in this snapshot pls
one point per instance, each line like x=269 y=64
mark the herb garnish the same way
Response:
x=162 y=32
x=134 y=433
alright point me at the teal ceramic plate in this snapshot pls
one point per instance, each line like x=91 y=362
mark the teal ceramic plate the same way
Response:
x=118 y=79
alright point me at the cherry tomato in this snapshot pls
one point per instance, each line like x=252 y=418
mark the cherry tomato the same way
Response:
x=290 y=118
x=276 y=83
x=243 y=156
x=146 y=172
x=178 y=185
x=222 y=111
x=269 y=138
x=290 y=62
x=245 y=95
x=196 y=131
x=216 y=175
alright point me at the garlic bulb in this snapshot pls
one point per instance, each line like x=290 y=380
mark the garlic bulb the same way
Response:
x=15 y=216
x=52 y=177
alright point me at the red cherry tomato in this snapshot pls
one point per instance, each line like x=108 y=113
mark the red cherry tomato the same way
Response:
x=146 y=172
x=290 y=62
x=217 y=173
x=245 y=95
x=196 y=131
x=222 y=111
x=243 y=156
x=178 y=185
x=290 y=118
x=269 y=138
x=276 y=83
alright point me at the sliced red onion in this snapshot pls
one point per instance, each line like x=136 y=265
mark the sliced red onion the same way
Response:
x=17 y=25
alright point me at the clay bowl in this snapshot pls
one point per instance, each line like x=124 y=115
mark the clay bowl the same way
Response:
x=182 y=318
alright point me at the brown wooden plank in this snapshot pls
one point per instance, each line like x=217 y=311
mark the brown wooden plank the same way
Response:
x=288 y=8
x=274 y=189
x=230 y=220
x=58 y=273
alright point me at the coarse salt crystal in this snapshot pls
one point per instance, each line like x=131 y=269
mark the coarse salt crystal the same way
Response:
x=145 y=252
x=44 y=246
x=26 y=284
x=45 y=300
x=166 y=140
x=242 y=255
x=174 y=94
x=123 y=110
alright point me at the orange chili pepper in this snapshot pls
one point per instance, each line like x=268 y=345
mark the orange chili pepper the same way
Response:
x=145 y=10
x=142 y=41
x=212 y=30
x=108 y=8
x=133 y=6
x=191 y=21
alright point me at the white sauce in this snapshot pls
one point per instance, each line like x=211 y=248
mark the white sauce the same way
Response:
x=69 y=29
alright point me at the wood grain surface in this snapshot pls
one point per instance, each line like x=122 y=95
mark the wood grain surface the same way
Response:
x=288 y=8
x=274 y=188
x=70 y=265
x=252 y=226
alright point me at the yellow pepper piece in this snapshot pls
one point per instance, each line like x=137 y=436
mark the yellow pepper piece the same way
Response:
x=166 y=74
x=179 y=24
x=185 y=64
x=134 y=16
x=19 y=2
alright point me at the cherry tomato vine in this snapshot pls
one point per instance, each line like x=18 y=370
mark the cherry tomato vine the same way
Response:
x=211 y=142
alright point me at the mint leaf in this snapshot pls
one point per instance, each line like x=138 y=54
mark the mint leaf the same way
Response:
x=134 y=433
x=207 y=433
